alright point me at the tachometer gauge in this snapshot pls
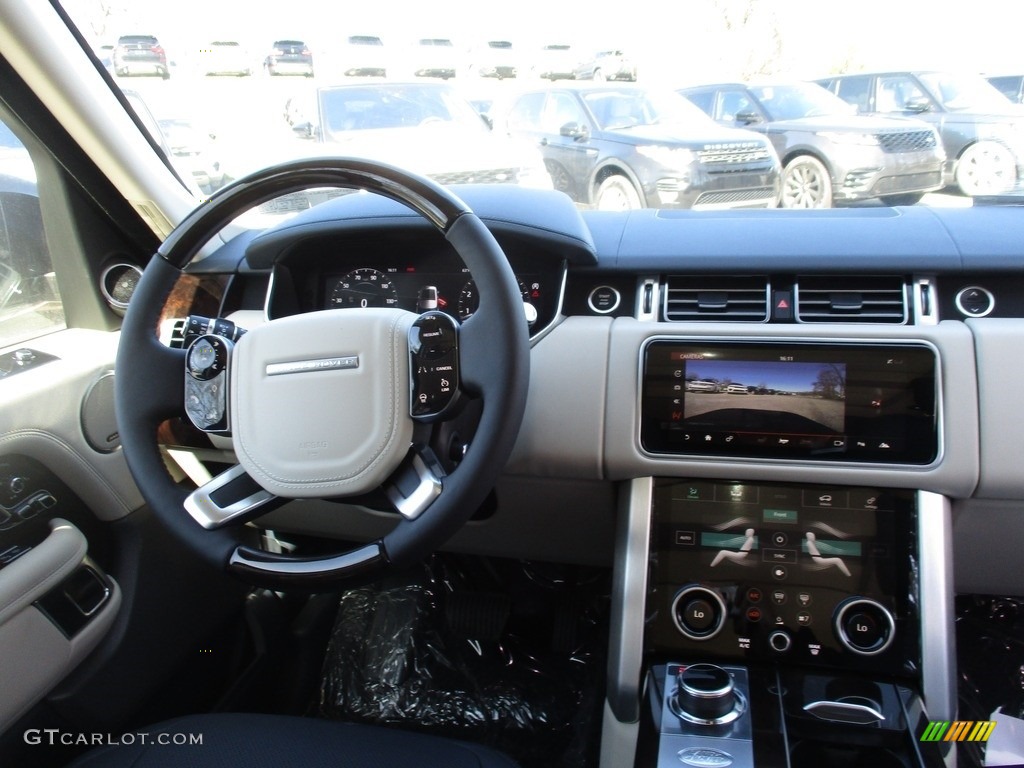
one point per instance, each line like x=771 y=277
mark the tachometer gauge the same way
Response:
x=363 y=288
x=469 y=300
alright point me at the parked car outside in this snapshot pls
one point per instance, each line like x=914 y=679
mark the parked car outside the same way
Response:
x=360 y=56
x=140 y=55
x=434 y=57
x=827 y=153
x=427 y=126
x=702 y=386
x=606 y=65
x=225 y=57
x=194 y=152
x=1011 y=86
x=982 y=132
x=555 y=62
x=495 y=58
x=289 y=57
x=623 y=147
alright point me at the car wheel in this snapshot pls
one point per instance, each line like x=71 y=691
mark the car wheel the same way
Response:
x=908 y=198
x=617 y=193
x=806 y=184
x=560 y=178
x=986 y=168
x=598 y=75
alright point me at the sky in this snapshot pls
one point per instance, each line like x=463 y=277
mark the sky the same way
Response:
x=681 y=41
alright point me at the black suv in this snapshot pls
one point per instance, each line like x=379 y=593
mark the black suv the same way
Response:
x=140 y=55
x=828 y=154
x=982 y=132
x=624 y=147
x=289 y=57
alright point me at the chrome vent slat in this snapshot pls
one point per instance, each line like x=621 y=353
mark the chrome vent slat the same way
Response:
x=710 y=299
x=844 y=299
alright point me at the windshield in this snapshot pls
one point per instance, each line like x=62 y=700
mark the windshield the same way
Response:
x=255 y=96
x=965 y=93
x=792 y=102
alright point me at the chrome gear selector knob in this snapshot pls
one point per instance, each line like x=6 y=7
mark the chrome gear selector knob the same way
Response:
x=705 y=695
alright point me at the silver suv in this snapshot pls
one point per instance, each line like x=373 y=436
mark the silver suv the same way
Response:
x=982 y=131
x=827 y=153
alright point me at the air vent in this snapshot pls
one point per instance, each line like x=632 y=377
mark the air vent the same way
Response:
x=723 y=299
x=845 y=299
x=117 y=284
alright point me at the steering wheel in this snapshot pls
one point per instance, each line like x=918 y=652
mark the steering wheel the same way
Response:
x=333 y=404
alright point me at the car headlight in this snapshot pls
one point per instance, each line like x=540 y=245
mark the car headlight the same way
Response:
x=678 y=158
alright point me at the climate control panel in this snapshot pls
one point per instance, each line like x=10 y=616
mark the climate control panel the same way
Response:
x=814 y=575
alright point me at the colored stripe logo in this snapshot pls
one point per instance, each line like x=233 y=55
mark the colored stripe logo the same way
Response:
x=959 y=730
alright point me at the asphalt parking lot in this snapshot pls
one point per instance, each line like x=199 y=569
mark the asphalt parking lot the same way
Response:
x=826 y=412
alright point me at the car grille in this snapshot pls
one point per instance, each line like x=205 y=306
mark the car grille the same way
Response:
x=906 y=141
x=489 y=176
x=738 y=153
x=736 y=197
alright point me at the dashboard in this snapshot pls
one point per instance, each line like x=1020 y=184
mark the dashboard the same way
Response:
x=848 y=288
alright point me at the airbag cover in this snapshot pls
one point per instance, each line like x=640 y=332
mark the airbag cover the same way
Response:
x=319 y=402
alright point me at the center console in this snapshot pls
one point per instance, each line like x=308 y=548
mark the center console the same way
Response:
x=783 y=623
x=788 y=621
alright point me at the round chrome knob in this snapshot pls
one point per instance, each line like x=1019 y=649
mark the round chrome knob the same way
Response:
x=705 y=695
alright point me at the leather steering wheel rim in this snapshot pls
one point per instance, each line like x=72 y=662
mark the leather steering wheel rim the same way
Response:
x=149 y=383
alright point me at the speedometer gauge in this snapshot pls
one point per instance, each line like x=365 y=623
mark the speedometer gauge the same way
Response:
x=469 y=299
x=363 y=288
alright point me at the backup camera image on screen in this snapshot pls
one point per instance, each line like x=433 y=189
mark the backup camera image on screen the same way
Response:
x=799 y=397
x=790 y=400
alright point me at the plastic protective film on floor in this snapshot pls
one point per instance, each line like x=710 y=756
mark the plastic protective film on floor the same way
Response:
x=990 y=653
x=504 y=653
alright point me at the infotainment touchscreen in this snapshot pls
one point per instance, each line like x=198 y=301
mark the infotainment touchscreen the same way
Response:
x=830 y=402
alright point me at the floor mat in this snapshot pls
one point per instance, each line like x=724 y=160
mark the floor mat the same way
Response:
x=505 y=653
x=990 y=661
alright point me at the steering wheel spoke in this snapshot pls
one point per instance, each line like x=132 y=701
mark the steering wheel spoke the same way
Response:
x=416 y=484
x=231 y=497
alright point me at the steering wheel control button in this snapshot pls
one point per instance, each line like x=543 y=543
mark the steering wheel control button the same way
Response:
x=864 y=626
x=206 y=383
x=434 y=365
x=975 y=301
x=698 y=612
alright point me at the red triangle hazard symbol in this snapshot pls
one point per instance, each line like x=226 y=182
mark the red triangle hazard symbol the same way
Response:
x=783 y=304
